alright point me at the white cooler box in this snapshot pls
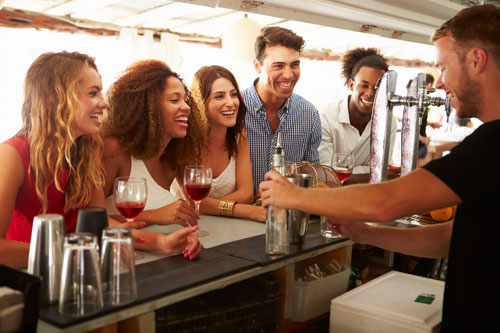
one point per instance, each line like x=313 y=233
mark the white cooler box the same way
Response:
x=394 y=302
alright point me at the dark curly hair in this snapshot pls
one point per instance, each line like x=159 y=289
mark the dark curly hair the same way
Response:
x=202 y=83
x=135 y=116
x=271 y=36
x=354 y=59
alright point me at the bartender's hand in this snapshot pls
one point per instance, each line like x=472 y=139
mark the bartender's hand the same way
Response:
x=277 y=190
x=183 y=240
x=358 y=232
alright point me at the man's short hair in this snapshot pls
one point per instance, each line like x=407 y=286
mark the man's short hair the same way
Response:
x=272 y=36
x=474 y=26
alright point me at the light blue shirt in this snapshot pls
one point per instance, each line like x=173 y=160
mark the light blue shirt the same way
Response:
x=300 y=128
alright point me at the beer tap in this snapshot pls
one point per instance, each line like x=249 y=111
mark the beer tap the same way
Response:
x=415 y=104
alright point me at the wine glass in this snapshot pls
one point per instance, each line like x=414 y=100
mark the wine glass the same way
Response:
x=343 y=165
x=130 y=195
x=197 y=184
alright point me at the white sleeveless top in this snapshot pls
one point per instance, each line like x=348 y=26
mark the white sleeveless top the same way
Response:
x=157 y=196
x=226 y=182
x=221 y=186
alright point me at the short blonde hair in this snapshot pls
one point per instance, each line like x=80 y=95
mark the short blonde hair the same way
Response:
x=472 y=26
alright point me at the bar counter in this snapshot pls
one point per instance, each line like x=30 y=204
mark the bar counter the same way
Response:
x=233 y=251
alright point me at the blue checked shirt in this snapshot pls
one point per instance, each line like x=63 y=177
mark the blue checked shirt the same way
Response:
x=300 y=128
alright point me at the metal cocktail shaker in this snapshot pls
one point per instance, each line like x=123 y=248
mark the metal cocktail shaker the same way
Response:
x=298 y=220
x=46 y=254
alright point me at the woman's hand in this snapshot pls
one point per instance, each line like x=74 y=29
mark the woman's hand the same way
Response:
x=183 y=240
x=179 y=212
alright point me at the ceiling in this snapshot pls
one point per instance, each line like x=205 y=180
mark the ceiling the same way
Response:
x=327 y=25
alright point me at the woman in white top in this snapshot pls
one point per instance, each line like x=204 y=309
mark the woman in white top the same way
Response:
x=218 y=107
x=147 y=135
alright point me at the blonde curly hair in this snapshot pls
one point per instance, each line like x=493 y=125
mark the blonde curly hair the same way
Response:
x=135 y=116
x=50 y=100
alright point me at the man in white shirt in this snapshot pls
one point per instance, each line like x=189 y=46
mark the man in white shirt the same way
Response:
x=346 y=124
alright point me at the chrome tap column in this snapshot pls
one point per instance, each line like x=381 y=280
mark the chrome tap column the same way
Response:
x=381 y=127
x=415 y=104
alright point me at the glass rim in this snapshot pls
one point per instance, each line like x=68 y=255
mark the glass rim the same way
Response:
x=117 y=232
x=130 y=179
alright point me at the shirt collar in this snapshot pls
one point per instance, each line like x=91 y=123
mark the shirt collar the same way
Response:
x=344 y=111
x=257 y=102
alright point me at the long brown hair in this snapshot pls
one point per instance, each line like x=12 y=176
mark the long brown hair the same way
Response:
x=200 y=89
x=135 y=116
x=50 y=100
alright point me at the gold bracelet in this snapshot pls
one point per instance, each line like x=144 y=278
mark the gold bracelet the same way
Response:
x=226 y=208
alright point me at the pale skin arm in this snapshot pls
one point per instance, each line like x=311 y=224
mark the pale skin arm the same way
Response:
x=418 y=192
x=12 y=253
x=430 y=241
x=117 y=164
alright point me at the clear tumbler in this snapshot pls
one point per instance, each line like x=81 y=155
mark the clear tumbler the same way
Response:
x=81 y=291
x=118 y=266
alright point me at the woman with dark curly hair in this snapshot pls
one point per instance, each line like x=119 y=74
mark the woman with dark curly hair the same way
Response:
x=149 y=133
x=219 y=110
x=346 y=123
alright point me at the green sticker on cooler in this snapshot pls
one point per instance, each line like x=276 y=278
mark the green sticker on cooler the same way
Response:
x=425 y=298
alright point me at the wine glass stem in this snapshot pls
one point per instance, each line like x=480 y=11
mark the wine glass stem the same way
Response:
x=197 y=204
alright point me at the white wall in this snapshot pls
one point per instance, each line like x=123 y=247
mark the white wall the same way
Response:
x=319 y=82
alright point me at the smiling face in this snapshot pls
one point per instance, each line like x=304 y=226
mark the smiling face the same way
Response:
x=279 y=72
x=222 y=104
x=91 y=105
x=175 y=109
x=465 y=94
x=363 y=90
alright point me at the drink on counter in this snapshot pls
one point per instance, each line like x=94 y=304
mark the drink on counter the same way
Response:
x=343 y=173
x=130 y=210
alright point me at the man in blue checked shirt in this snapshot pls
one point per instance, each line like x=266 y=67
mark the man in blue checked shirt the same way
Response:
x=272 y=106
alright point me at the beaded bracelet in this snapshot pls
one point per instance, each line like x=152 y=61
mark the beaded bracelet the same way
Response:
x=226 y=208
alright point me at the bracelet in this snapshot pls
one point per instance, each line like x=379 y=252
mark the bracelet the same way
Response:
x=226 y=207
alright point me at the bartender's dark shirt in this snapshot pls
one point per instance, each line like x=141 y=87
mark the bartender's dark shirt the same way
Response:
x=472 y=289
x=423 y=127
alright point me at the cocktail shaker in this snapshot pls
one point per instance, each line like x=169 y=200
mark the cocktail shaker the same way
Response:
x=298 y=220
x=46 y=254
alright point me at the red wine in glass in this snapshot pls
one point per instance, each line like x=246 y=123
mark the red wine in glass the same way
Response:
x=130 y=210
x=197 y=192
x=130 y=195
x=197 y=184
x=343 y=174
x=343 y=165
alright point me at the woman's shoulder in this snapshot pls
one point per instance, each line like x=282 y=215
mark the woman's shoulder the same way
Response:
x=113 y=150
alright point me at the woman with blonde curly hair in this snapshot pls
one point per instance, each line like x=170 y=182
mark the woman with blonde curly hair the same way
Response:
x=219 y=110
x=52 y=164
x=149 y=133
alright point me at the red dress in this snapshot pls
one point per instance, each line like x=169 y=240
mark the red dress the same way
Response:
x=28 y=205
